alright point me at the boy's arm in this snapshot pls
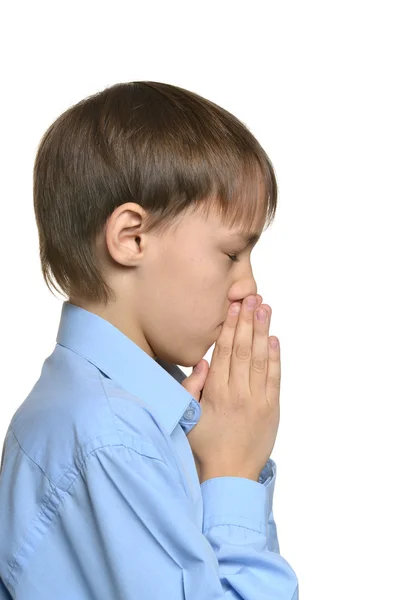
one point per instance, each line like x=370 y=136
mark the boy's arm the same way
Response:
x=133 y=532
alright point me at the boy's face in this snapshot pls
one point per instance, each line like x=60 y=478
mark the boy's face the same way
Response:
x=173 y=291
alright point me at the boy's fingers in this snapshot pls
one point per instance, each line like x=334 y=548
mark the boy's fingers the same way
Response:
x=221 y=357
x=242 y=352
x=260 y=353
x=273 y=375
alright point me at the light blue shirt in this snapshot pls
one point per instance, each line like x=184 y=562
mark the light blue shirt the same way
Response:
x=99 y=493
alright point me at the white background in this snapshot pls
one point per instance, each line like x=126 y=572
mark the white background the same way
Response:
x=316 y=82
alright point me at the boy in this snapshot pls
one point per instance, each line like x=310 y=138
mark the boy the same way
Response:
x=121 y=477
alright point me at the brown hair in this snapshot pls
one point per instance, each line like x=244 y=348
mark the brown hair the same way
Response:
x=158 y=145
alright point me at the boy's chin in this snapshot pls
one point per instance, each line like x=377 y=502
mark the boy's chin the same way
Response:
x=189 y=359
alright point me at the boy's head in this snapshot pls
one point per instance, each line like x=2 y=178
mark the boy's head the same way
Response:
x=139 y=191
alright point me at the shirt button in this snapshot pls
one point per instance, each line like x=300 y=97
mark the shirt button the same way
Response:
x=188 y=414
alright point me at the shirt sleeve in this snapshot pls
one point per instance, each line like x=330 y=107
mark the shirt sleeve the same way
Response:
x=133 y=534
x=239 y=524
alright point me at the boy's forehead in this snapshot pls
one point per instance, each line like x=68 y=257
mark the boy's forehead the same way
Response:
x=248 y=228
x=241 y=232
x=249 y=237
x=245 y=219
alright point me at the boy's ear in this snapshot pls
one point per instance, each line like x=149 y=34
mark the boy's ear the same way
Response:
x=123 y=233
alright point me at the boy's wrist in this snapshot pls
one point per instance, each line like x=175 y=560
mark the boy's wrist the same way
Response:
x=226 y=473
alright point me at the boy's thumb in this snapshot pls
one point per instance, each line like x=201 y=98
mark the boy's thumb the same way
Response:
x=196 y=381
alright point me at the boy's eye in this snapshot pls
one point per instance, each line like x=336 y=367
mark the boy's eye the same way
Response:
x=233 y=257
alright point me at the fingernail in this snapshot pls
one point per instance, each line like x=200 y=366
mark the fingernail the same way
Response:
x=198 y=368
x=235 y=309
x=261 y=315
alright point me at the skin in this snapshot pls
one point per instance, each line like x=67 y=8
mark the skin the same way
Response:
x=172 y=292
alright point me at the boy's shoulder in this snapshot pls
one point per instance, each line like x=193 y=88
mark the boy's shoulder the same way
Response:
x=73 y=410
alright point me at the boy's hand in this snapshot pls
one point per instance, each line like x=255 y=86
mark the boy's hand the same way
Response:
x=195 y=382
x=240 y=400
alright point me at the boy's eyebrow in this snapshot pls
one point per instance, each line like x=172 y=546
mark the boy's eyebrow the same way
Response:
x=249 y=238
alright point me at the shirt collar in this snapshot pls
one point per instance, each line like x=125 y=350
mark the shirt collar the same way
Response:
x=156 y=382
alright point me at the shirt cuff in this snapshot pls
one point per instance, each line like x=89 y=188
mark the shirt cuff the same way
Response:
x=239 y=501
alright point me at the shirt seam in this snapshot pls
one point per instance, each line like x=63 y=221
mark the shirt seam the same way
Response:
x=149 y=440
x=54 y=490
x=233 y=525
x=116 y=445
x=54 y=485
x=107 y=399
